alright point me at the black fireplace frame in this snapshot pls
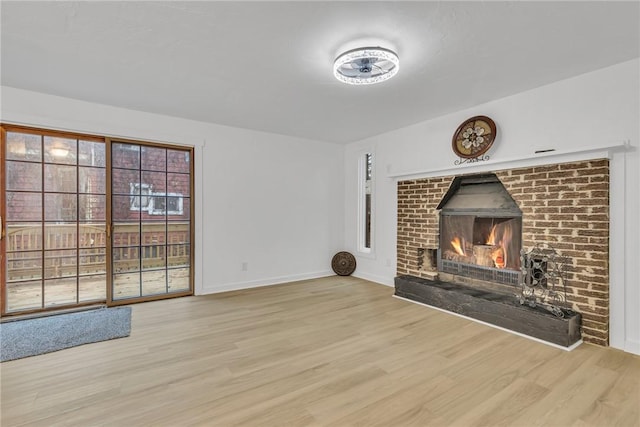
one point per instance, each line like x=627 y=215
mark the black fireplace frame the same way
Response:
x=493 y=202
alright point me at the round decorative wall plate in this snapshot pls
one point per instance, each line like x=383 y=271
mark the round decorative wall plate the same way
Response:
x=343 y=263
x=474 y=137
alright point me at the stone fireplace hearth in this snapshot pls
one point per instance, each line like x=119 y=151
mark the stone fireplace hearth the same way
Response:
x=564 y=206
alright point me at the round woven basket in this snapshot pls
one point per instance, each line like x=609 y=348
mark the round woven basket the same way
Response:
x=343 y=263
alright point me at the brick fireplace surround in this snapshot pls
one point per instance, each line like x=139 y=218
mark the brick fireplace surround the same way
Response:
x=565 y=206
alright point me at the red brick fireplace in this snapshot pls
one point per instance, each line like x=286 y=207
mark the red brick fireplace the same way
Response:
x=564 y=206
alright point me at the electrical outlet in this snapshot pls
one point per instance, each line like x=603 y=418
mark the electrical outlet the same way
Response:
x=245 y=266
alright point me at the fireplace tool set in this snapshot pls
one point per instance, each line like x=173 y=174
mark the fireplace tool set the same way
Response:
x=543 y=280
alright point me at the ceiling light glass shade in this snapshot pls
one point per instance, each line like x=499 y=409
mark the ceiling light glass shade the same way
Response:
x=365 y=66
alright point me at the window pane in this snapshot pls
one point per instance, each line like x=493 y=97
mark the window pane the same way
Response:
x=24 y=146
x=24 y=176
x=60 y=207
x=93 y=288
x=24 y=266
x=42 y=206
x=91 y=207
x=24 y=236
x=157 y=181
x=179 y=232
x=24 y=295
x=154 y=158
x=61 y=179
x=178 y=161
x=126 y=234
x=123 y=181
x=60 y=291
x=60 y=236
x=126 y=259
x=142 y=196
x=153 y=257
x=93 y=261
x=24 y=206
x=60 y=264
x=60 y=150
x=174 y=205
x=158 y=205
x=91 y=153
x=125 y=156
x=178 y=255
x=365 y=204
x=154 y=282
x=178 y=279
x=92 y=180
x=126 y=285
x=154 y=232
x=183 y=212
x=178 y=183
x=125 y=208
x=93 y=235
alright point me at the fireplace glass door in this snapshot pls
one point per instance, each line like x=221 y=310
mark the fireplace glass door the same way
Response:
x=481 y=241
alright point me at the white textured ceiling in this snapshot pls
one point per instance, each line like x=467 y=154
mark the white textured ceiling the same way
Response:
x=268 y=65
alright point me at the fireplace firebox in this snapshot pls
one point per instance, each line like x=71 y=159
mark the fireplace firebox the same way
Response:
x=480 y=231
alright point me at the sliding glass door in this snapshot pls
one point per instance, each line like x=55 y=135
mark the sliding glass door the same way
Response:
x=151 y=211
x=86 y=220
x=54 y=221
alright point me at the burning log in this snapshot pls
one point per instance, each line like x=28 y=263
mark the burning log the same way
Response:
x=456 y=257
x=482 y=254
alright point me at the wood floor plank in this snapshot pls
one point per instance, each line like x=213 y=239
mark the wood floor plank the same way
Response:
x=336 y=351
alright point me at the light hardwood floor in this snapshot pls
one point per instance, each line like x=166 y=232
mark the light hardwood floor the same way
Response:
x=337 y=351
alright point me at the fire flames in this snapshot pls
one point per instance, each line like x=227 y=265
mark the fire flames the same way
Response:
x=498 y=239
x=491 y=240
x=456 y=244
x=497 y=255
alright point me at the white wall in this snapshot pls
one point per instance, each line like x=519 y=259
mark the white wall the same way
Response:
x=597 y=109
x=275 y=203
x=271 y=201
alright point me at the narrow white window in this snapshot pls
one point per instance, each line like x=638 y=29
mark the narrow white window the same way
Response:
x=365 y=203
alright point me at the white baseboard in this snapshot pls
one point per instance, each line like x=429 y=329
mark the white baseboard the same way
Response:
x=375 y=278
x=263 y=282
x=632 y=346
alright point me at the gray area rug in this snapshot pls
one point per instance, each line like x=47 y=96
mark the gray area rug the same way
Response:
x=30 y=337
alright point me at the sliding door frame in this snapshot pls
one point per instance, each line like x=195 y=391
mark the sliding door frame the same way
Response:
x=109 y=301
x=3 y=216
x=185 y=148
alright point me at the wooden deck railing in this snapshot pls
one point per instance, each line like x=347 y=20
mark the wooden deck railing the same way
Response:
x=66 y=250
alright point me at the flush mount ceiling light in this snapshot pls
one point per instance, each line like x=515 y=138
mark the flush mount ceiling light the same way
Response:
x=366 y=65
